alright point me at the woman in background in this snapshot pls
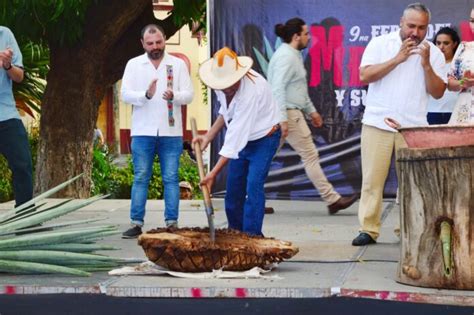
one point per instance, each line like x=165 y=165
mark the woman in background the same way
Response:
x=461 y=78
x=439 y=110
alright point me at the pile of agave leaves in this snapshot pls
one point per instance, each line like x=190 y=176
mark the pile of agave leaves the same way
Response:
x=66 y=247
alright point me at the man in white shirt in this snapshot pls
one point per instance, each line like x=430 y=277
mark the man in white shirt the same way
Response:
x=157 y=85
x=402 y=70
x=251 y=116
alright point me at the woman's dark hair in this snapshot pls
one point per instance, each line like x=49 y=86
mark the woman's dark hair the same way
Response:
x=451 y=32
x=291 y=27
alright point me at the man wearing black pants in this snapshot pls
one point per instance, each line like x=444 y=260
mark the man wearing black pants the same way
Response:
x=14 y=144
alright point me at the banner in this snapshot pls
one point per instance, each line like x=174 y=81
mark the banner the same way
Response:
x=340 y=30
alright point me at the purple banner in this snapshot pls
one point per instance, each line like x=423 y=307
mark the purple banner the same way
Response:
x=340 y=30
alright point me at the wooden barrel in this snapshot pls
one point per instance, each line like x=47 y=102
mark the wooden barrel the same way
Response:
x=437 y=217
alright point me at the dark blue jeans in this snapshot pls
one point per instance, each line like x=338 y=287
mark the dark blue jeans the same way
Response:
x=438 y=118
x=144 y=149
x=14 y=146
x=245 y=196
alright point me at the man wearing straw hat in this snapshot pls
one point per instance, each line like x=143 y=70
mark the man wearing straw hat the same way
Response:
x=252 y=117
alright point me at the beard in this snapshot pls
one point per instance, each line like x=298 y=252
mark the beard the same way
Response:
x=302 y=46
x=155 y=54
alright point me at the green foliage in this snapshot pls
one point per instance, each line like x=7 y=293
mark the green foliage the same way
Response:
x=36 y=64
x=190 y=12
x=61 y=22
x=102 y=169
x=57 y=21
x=6 y=190
x=117 y=182
x=189 y=172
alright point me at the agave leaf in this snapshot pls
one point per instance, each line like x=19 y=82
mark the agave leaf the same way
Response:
x=53 y=226
x=268 y=48
x=76 y=248
x=13 y=213
x=47 y=194
x=261 y=61
x=91 y=238
x=46 y=238
x=33 y=211
x=54 y=257
x=29 y=267
x=47 y=215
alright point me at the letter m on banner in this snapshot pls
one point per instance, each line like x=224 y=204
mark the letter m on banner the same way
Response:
x=324 y=51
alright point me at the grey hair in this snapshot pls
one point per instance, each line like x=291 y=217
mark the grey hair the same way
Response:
x=418 y=6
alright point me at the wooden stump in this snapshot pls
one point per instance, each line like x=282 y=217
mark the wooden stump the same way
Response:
x=436 y=190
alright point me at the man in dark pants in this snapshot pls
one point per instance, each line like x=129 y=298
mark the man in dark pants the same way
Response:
x=13 y=137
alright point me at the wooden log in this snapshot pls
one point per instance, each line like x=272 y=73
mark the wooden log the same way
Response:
x=436 y=186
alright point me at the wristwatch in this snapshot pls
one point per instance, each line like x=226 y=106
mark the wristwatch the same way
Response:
x=146 y=95
x=7 y=68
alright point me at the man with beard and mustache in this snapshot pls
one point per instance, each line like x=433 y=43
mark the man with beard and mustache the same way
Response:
x=402 y=70
x=287 y=76
x=157 y=85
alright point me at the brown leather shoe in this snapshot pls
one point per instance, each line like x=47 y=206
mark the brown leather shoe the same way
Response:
x=269 y=210
x=342 y=203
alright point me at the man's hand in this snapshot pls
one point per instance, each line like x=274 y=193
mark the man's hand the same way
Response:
x=424 y=51
x=6 y=57
x=202 y=140
x=467 y=79
x=168 y=95
x=208 y=181
x=284 y=129
x=151 y=88
x=316 y=119
x=406 y=50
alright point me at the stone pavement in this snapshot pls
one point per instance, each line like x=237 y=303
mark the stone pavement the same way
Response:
x=327 y=264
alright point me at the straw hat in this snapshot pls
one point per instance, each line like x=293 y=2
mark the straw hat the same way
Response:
x=224 y=69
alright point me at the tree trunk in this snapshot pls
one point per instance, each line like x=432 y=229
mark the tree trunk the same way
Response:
x=437 y=217
x=77 y=82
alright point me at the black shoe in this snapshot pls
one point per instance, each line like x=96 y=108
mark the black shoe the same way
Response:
x=342 y=203
x=269 y=210
x=132 y=232
x=363 y=239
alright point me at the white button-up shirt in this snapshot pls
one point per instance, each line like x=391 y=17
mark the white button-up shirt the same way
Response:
x=251 y=114
x=401 y=94
x=150 y=117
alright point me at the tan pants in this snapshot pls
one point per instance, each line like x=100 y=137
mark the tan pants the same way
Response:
x=377 y=147
x=300 y=139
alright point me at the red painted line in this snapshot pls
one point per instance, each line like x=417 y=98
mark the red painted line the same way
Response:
x=240 y=292
x=10 y=289
x=196 y=293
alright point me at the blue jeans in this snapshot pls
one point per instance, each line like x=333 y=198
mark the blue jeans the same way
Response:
x=144 y=149
x=245 y=196
x=15 y=147
x=438 y=118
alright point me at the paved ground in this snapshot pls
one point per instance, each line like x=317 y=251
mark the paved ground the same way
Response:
x=327 y=264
